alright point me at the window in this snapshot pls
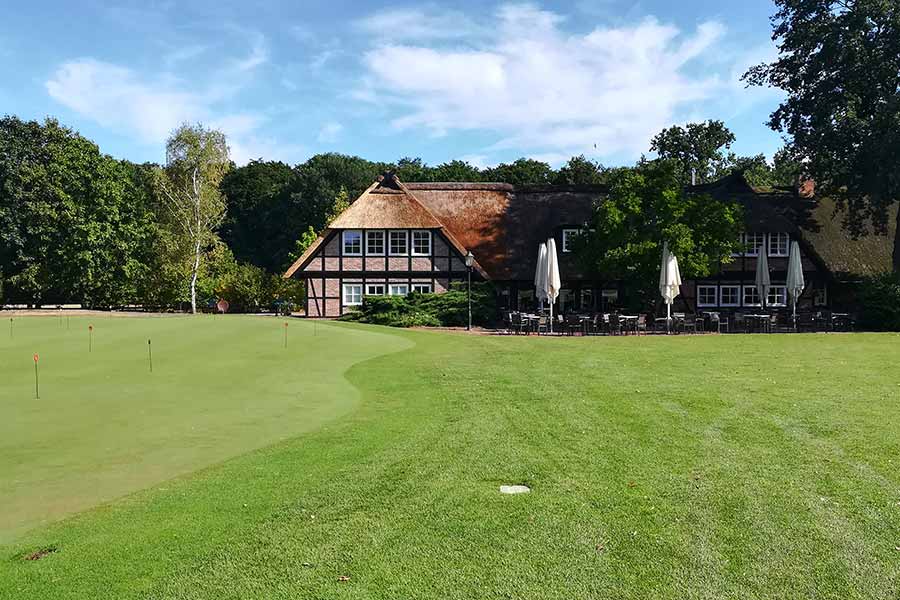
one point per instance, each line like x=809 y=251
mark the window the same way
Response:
x=352 y=294
x=399 y=289
x=422 y=288
x=352 y=243
x=374 y=289
x=777 y=296
x=820 y=297
x=779 y=244
x=568 y=236
x=751 y=296
x=730 y=295
x=421 y=243
x=375 y=243
x=398 y=243
x=707 y=295
x=754 y=242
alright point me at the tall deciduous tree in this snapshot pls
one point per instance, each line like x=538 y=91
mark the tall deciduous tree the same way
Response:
x=839 y=62
x=196 y=162
x=698 y=149
x=524 y=171
x=646 y=207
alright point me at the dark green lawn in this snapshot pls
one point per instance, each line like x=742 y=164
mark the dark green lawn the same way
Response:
x=665 y=467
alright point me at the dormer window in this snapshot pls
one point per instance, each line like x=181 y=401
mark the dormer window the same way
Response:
x=352 y=243
x=568 y=237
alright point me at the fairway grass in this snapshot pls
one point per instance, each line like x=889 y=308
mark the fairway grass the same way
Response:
x=659 y=467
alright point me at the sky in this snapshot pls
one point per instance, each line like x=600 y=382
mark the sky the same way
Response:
x=481 y=81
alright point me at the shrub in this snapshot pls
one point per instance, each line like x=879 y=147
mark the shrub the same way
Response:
x=428 y=310
x=880 y=303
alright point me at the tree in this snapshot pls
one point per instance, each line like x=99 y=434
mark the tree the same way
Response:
x=524 y=171
x=839 y=63
x=196 y=162
x=257 y=225
x=696 y=149
x=647 y=206
x=580 y=171
x=455 y=170
x=74 y=223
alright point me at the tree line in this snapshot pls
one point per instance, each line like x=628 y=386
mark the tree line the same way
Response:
x=79 y=226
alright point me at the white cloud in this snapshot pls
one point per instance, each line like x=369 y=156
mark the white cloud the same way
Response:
x=541 y=89
x=259 y=54
x=115 y=97
x=418 y=24
x=330 y=132
x=150 y=108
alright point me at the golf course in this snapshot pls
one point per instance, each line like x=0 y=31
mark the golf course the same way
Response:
x=336 y=460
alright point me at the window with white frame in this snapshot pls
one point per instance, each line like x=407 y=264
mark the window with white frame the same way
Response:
x=777 y=296
x=352 y=243
x=587 y=299
x=568 y=237
x=730 y=295
x=399 y=289
x=707 y=295
x=422 y=288
x=375 y=289
x=375 y=243
x=398 y=243
x=421 y=242
x=352 y=294
x=754 y=243
x=779 y=244
x=751 y=296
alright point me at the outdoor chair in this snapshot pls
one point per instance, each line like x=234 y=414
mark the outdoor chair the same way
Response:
x=615 y=325
x=542 y=325
x=717 y=323
x=740 y=323
x=519 y=325
x=573 y=324
x=641 y=324
x=690 y=323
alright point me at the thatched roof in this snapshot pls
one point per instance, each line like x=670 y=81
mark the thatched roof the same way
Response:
x=812 y=220
x=503 y=226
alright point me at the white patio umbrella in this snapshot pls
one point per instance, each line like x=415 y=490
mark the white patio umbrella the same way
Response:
x=553 y=280
x=669 y=281
x=540 y=275
x=763 y=283
x=795 y=281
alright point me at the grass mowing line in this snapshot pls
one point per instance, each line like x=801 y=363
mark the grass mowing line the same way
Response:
x=105 y=426
x=675 y=482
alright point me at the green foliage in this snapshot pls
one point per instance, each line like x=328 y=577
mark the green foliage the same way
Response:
x=75 y=225
x=697 y=147
x=880 y=301
x=449 y=309
x=646 y=207
x=257 y=226
x=524 y=171
x=580 y=171
x=839 y=64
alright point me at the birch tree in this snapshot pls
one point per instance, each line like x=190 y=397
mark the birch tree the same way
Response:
x=196 y=162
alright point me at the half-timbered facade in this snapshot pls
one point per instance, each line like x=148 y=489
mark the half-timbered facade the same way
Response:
x=401 y=237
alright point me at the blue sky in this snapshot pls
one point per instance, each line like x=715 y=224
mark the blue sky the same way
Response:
x=486 y=82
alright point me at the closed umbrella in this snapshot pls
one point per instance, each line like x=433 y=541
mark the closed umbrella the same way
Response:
x=540 y=275
x=763 y=283
x=795 y=281
x=669 y=281
x=553 y=280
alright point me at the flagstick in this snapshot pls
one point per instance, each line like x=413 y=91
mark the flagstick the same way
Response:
x=285 y=334
x=10 y=327
x=90 y=338
x=37 y=392
x=150 y=355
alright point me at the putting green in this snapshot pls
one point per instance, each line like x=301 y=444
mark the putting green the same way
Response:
x=105 y=426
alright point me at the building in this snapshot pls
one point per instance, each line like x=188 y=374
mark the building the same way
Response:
x=401 y=237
